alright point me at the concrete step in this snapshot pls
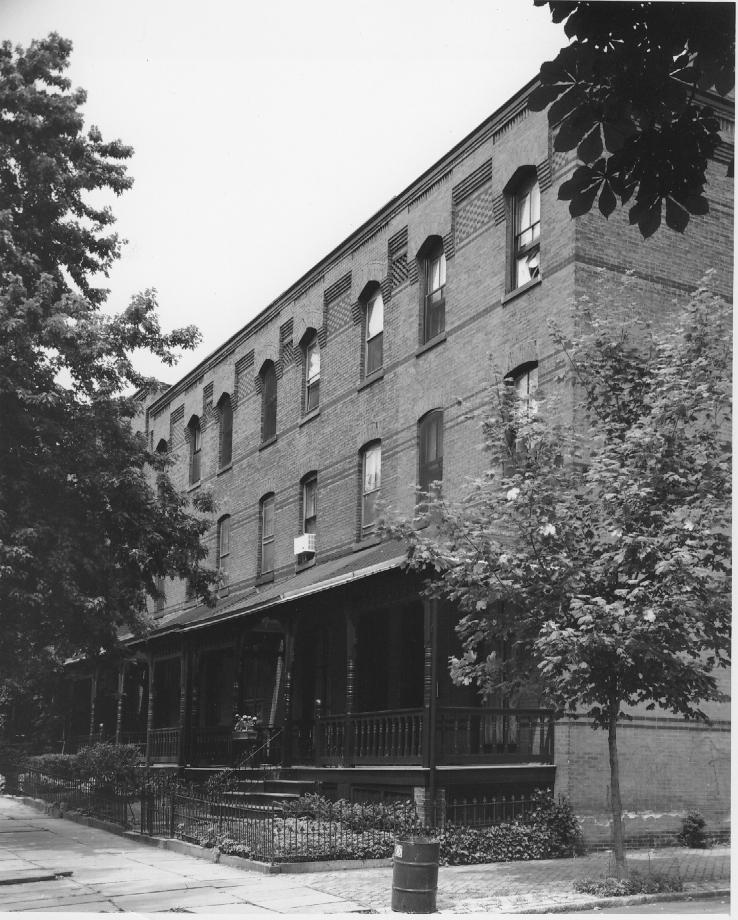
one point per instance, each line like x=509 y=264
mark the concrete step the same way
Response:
x=297 y=786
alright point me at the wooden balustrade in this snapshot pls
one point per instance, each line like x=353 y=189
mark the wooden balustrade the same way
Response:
x=212 y=745
x=164 y=745
x=474 y=735
x=390 y=737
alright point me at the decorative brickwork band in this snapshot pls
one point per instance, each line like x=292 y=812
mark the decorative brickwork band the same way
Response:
x=476 y=212
x=385 y=287
x=207 y=401
x=243 y=366
x=544 y=174
x=448 y=244
x=413 y=272
x=340 y=287
x=357 y=309
x=258 y=384
x=481 y=175
x=397 y=258
x=498 y=208
x=174 y=431
x=287 y=354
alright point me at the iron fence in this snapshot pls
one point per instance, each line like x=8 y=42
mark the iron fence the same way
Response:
x=307 y=829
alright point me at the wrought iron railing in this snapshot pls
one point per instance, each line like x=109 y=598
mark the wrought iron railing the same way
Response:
x=163 y=744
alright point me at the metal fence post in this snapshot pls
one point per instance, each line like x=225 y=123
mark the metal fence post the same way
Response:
x=172 y=799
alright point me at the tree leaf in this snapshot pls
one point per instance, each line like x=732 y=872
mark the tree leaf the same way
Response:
x=607 y=202
x=677 y=217
x=591 y=147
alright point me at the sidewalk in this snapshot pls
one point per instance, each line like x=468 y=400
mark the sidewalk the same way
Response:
x=111 y=874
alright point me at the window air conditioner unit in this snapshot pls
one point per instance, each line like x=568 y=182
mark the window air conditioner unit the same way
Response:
x=305 y=543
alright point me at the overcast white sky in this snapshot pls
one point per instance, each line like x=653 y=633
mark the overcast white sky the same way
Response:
x=264 y=133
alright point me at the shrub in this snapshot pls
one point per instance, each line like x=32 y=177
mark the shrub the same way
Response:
x=396 y=817
x=109 y=764
x=693 y=832
x=634 y=884
x=559 y=820
x=61 y=765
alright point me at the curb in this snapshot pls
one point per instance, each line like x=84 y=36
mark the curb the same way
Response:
x=627 y=901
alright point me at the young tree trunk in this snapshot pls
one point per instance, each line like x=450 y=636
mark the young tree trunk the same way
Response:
x=616 y=805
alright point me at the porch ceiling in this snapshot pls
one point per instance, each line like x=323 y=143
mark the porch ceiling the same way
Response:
x=371 y=561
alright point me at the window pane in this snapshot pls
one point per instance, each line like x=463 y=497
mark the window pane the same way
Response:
x=269 y=403
x=431 y=449
x=375 y=317
x=226 y=432
x=310 y=498
x=313 y=361
x=369 y=511
x=372 y=468
x=312 y=396
x=224 y=538
x=374 y=353
x=267 y=556
x=267 y=519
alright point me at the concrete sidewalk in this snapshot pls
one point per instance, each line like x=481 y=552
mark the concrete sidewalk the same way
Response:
x=113 y=874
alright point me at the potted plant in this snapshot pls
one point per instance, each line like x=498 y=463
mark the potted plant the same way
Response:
x=244 y=728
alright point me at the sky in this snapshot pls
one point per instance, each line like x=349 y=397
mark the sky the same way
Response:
x=264 y=133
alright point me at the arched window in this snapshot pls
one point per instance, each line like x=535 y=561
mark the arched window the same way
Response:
x=268 y=401
x=430 y=453
x=524 y=380
x=373 y=331
x=312 y=373
x=223 y=549
x=195 y=436
x=266 y=535
x=162 y=447
x=524 y=208
x=309 y=503
x=225 y=452
x=433 y=264
x=160 y=600
x=371 y=483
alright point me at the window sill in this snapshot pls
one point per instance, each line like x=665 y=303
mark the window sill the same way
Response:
x=301 y=566
x=268 y=442
x=366 y=542
x=224 y=469
x=431 y=343
x=309 y=417
x=370 y=379
x=521 y=290
x=264 y=579
x=195 y=485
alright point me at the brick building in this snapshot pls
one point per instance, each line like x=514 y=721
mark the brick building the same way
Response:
x=368 y=376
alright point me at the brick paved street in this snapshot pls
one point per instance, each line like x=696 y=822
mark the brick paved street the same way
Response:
x=113 y=874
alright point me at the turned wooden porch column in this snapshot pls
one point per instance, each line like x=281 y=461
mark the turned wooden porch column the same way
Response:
x=430 y=686
x=184 y=700
x=121 y=701
x=348 y=741
x=287 y=693
x=93 y=702
x=150 y=707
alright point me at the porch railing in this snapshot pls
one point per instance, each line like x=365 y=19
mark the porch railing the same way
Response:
x=137 y=738
x=391 y=736
x=466 y=735
x=164 y=745
x=212 y=745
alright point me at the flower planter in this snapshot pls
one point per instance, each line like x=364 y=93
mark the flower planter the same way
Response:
x=248 y=735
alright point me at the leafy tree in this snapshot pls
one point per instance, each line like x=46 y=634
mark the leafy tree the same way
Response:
x=631 y=94
x=600 y=547
x=84 y=533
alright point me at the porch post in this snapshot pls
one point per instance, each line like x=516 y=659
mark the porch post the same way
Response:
x=430 y=684
x=289 y=665
x=150 y=709
x=121 y=698
x=93 y=702
x=184 y=682
x=348 y=751
x=194 y=705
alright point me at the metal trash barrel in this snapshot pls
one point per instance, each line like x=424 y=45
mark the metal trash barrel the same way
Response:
x=415 y=876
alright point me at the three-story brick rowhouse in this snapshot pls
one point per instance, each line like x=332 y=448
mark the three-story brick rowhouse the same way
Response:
x=367 y=379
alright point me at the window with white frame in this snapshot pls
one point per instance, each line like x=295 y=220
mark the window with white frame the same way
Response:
x=526 y=244
x=195 y=449
x=434 y=299
x=374 y=355
x=266 y=548
x=224 y=547
x=371 y=483
x=310 y=503
x=312 y=374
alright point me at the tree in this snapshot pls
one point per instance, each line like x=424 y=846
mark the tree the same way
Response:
x=84 y=531
x=631 y=92
x=600 y=547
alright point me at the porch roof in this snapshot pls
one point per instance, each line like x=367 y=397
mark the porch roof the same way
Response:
x=332 y=574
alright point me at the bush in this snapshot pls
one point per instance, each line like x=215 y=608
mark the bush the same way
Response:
x=693 y=832
x=634 y=884
x=63 y=766
x=109 y=764
x=396 y=817
x=559 y=820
